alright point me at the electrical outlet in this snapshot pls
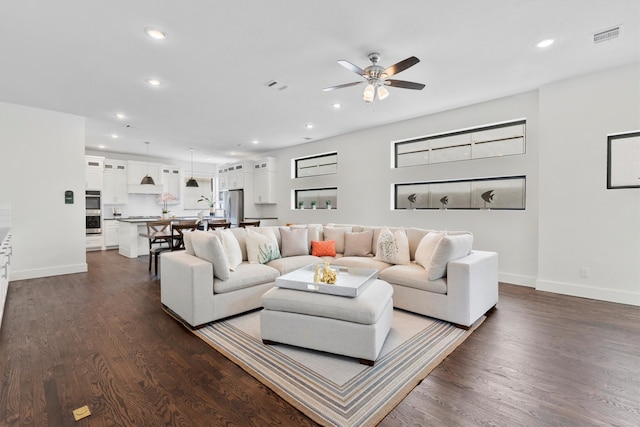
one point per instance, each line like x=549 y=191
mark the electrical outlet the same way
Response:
x=584 y=272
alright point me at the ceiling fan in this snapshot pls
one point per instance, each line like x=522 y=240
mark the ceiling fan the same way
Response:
x=377 y=77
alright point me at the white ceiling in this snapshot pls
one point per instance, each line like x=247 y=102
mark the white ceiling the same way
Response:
x=91 y=58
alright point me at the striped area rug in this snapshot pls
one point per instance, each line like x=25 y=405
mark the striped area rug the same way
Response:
x=334 y=390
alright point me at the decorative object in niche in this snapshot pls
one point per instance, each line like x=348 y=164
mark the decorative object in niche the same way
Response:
x=623 y=160
x=506 y=193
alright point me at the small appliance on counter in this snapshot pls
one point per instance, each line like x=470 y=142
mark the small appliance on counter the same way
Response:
x=117 y=212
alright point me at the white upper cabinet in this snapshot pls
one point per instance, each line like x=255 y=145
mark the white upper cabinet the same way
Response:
x=172 y=181
x=93 y=172
x=137 y=171
x=115 y=182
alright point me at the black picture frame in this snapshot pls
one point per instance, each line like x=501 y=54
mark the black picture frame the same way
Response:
x=623 y=160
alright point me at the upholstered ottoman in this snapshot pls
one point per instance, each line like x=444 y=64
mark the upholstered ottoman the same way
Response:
x=355 y=327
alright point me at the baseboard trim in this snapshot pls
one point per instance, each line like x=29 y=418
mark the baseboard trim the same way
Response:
x=58 y=270
x=517 y=279
x=591 y=292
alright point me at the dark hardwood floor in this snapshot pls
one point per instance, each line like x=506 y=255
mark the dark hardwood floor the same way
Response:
x=101 y=339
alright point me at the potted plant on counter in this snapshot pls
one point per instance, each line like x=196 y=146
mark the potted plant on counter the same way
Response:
x=165 y=198
x=210 y=202
x=328 y=204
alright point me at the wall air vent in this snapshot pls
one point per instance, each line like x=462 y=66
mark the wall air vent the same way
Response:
x=606 y=35
x=276 y=85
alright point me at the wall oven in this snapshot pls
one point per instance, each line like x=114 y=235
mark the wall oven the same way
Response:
x=94 y=212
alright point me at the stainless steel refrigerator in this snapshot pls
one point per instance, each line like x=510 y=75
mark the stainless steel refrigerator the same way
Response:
x=234 y=206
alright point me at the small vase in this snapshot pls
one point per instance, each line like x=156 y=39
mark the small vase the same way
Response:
x=163 y=216
x=313 y=207
x=328 y=207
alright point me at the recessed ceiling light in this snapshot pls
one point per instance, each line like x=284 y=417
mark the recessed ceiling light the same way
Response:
x=155 y=34
x=153 y=82
x=255 y=141
x=120 y=116
x=101 y=146
x=545 y=43
x=114 y=136
x=336 y=105
x=309 y=126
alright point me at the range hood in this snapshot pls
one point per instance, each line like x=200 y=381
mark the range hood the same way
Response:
x=145 y=189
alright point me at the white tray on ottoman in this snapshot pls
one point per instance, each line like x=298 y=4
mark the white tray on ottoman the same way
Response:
x=354 y=327
x=350 y=281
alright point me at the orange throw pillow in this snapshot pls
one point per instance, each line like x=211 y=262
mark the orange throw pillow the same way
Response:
x=323 y=247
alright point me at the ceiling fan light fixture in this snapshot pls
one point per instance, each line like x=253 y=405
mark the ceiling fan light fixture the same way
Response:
x=382 y=92
x=369 y=93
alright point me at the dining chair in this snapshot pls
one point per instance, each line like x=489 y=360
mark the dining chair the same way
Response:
x=246 y=224
x=219 y=224
x=177 y=230
x=160 y=240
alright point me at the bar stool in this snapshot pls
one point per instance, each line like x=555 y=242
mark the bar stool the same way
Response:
x=160 y=240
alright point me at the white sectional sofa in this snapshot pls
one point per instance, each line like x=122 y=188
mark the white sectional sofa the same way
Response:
x=433 y=273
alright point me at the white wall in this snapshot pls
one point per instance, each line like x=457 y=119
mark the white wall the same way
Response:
x=41 y=156
x=365 y=179
x=571 y=220
x=582 y=224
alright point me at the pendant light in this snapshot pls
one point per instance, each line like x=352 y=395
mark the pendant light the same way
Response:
x=192 y=182
x=147 y=180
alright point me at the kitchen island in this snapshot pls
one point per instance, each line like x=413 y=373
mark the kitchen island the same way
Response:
x=131 y=230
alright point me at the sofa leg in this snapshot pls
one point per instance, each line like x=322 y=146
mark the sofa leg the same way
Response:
x=269 y=342
x=466 y=328
x=366 y=362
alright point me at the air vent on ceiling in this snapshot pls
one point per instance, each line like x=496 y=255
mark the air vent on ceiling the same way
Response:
x=276 y=85
x=606 y=35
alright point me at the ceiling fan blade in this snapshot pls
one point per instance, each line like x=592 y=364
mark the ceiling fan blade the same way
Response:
x=404 y=84
x=401 y=66
x=349 y=66
x=326 y=89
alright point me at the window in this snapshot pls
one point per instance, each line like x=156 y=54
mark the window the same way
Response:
x=498 y=140
x=482 y=193
x=324 y=198
x=323 y=164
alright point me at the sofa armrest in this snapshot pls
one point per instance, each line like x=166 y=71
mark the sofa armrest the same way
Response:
x=472 y=285
x=186 y=286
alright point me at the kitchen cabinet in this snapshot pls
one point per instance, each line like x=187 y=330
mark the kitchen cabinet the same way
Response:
x=5 y=263
x=264 y=175
x=94 y=242
x=172 y=181
x=111 y=233
x=234 y=176
x=93 y=172
x=115 y=182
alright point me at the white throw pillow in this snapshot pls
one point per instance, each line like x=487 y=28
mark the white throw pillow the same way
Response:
x=208 y=247
x=188 y=247
x=393 y=247
x=260 y=248
x=231 y=247
x=426 y=248
x=448 y=249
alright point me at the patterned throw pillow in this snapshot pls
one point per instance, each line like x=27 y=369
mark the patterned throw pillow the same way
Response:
x=393 y=247
x=260 y=248
x=323 y=247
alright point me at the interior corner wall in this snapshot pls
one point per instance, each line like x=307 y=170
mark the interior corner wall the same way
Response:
x=584 y=225
x=42 y=156
x=365 y=181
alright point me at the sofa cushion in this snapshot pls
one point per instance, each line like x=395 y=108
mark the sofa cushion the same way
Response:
x=360 y=262
x=231 y=247
x=415 y=236
x=426 y=248
x=241 y=236
x=358 y=244
x=288 y=264
x=448 y=249
x=393 y=247
x=321 y=248
x=246 y=276
x=208 y=247
x=261 y=248
x=337 y=234
x=412 y=276
x=294 y=242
